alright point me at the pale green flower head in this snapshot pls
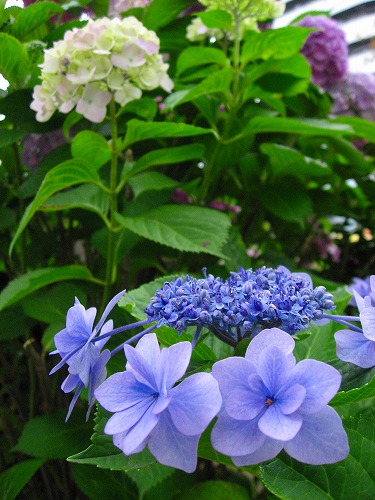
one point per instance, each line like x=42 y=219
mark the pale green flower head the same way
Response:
x=106 y=59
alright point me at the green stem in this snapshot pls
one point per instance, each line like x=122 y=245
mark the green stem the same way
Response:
x=110 y=275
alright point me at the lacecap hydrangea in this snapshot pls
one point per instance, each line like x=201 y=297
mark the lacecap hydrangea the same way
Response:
x=106 y=59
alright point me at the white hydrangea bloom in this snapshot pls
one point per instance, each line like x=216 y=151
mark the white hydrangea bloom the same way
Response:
x=107 y=58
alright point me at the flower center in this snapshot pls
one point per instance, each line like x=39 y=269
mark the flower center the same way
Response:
x=269 y=401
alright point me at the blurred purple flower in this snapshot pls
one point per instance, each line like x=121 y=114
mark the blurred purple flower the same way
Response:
x=78 y=349
x=358 y=347
x=354 y=95
x=362 y=288
x=180 y=196
x=150 y=410
x=37 y=146
x=326 y=50
x=271 y=403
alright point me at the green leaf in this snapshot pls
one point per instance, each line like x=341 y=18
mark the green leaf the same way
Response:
x=105 y=455
x=266 y=124
x=216 y=18
x=14 y=61
x=217 y=82
x=198 y=56
x=365 y=392
x=185 y=228
x=49 y=436
x=8 y=218
x=33 y=16
x=140 y=131
x=87 y=197
x=277 y=200
x=8 y=137
x=22 y=286
x=166 y=156
x=91 y=147
x=286 y=161
x=362 y=128
x=352 y=478
x=51 y=305
x=146 y=108
x=161 y=12
x=277 y=43
x=150 y=476
x=319 y=345
x=13 y=480
x=14 y=323
x=98 y=483
x=219 y=490
x=68 y=173
x=151 y=181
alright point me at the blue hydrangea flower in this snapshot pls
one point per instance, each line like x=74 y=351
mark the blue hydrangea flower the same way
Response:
x=271 y=403
x=78 y=349
x=149 y=409
x=245 y=303
x=358 y=347
x=362 y=288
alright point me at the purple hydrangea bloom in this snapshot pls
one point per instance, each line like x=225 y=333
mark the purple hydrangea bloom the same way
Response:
x=37 y=146
x=271 y=403
x=78 y=349
x=245 y=303
x=358 y=347
x=326 y=50
x=149 y=409
x=354 y=95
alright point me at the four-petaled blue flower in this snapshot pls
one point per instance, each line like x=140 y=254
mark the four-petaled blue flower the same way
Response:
x=355 y=346
x=271 y=403
x=149 y=409
x=78 y=349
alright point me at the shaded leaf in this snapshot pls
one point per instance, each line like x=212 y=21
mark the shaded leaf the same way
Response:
x=217 y=82
x=185 y=228
x=220 y=490
x=68 y=173
x=14 y=61
x=277 y=200
x=263 y=124
x=13 y=480
x=194 y=56
x=49 y=436
x=151 y=181
x=161 y=12
x=22 y=286
x=354 y=395
x=33 y=16
x=148 y=477
x=216 y=18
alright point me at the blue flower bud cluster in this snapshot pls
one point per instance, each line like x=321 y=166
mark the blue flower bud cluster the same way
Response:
x=247 y=302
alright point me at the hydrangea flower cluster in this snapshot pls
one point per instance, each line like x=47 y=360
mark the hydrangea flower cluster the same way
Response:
x=118 y=6
x=357 y=345
x=271 y=403
x=245 y=303
x=248 y=13
x=149 y=409
x=106 y=59
x=326 y=50
x=354 y=95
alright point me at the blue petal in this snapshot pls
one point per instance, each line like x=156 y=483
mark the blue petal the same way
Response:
x=138 y=433
x=120 y=391
x=65 y=342
x=355 y=348
x=70 y=383
x=84 y=361
x=274 y=424
x=236 y=437
x=267 y=338
x=172 y=448
x=368 y=322
x=232 y=372
x=118 y=440
x=321 y=439
x=108 y=309
x=79 y=322
x=245 y=402
x=174 y=361
x=124 y=420
x=195 y=402
x=320 y=380
x=107 y=327
x=289 y=400
x=269 y=449
x=98 y=375
x=274 y=367
x=144 y=360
